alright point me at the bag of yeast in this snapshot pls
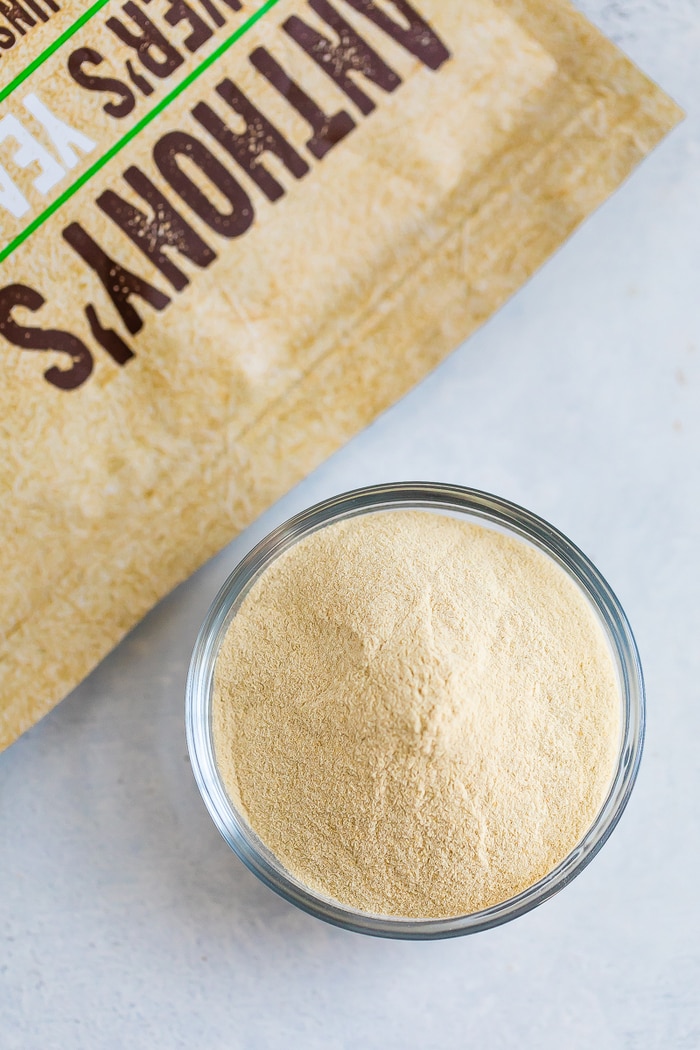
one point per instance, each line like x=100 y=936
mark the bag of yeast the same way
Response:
x=231 y=233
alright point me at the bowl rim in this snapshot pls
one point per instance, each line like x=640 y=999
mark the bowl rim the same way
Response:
x=470 y=504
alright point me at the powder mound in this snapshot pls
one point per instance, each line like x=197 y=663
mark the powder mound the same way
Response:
x=419 y=716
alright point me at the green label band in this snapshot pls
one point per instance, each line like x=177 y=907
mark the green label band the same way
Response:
x=137 y=128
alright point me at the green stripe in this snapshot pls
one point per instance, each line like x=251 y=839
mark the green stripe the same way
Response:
x=137 y=128
x=58 y=42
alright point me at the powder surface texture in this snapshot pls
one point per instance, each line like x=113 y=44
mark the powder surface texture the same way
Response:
x=419 y=716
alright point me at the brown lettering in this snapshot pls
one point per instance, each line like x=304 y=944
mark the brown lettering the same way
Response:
x=415 y=35
x=168 y=154
x=17 y=16
x=138 y=80
x=88 y=56
x=39 y=11
x=248 y=147
x=108 y=339
x=166 y=229
x=182 y=12
x=216 y=16
x=121 y=284
x=43 y=338
x=327 y=129
x=349 y=56
x=155 y=52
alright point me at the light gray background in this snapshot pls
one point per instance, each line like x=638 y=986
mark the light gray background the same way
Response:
x=126 y=921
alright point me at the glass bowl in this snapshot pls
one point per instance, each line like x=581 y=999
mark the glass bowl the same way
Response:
x=470 y=505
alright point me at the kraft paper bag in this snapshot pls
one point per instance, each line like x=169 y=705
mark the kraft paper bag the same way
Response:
x=230 y=235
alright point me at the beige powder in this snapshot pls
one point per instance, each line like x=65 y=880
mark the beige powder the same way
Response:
x=418 y=716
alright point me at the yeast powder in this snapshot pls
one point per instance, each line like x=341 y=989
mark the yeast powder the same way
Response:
x=420 y=717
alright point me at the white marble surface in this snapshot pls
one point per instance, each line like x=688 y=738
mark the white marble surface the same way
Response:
x=125 y=920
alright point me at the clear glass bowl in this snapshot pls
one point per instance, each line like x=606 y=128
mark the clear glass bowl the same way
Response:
x=468 y=504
